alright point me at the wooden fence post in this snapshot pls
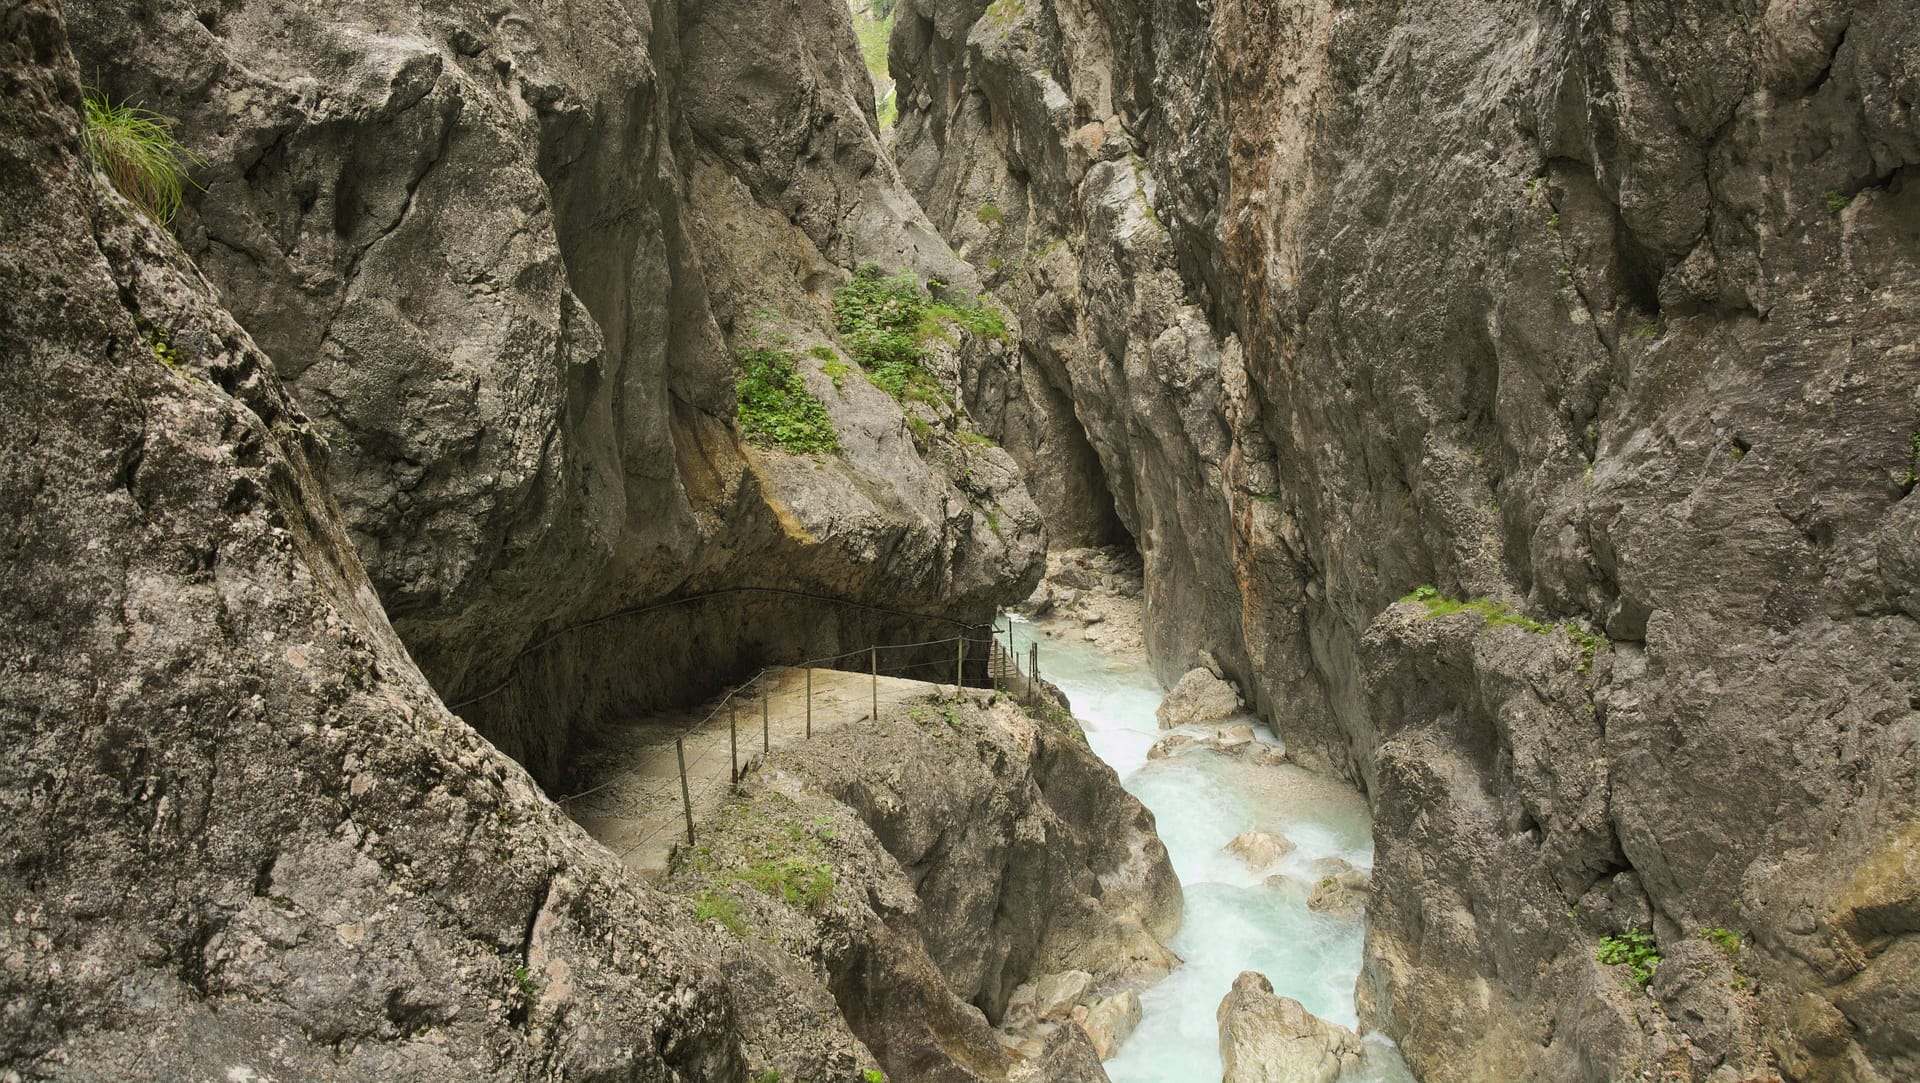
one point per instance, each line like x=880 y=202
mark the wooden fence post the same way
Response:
x=733 y=738
x=686 y=798
x=960 y=669
x=1033 y=667
x=809 y=703
x=766 y=740
x=874 y=654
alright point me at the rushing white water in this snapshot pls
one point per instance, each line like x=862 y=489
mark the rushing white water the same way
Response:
x=1236 y=919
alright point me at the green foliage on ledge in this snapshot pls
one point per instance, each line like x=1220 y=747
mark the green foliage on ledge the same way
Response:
x=776 y=409
x=885 y=321
x=1497 y=613
x=138 y=152
x=1633 y=949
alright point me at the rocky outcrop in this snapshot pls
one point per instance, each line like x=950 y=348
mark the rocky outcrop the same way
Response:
x=1597 y=315
x=1265 y=1038
x=243 y=838
x=955 y=868
x=505 y=260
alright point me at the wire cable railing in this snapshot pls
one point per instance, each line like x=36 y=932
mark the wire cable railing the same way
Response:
x=994 y=665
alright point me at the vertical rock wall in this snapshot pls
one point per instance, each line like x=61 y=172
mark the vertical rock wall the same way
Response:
x=1604 y=313
x=504 y=259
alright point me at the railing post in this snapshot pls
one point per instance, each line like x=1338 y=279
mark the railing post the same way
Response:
x=686 y=798
x=766 y=738
x=873 y=653
x=960 y=669
x=809 y=703
x=733 y=738
x=1033 y=667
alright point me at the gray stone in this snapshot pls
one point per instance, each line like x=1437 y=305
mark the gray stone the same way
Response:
x=1615 y=328
x=1199 y=697
x=1260 y=849
x=1266 y=1038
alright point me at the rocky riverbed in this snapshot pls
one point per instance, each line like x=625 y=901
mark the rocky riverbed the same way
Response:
x=1273 y=859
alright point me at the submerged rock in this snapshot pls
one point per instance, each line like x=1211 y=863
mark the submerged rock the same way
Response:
x=1199 y=697
x=1266 y=1038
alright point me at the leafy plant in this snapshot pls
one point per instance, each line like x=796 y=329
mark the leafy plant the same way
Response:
x=1635 y=949
x=1553 y=221
x=523 y=978
x=1725 y=939
x=771 y=1075
x=873 y=1075
x=776 y=409
x=137 y=150
x=1837 y=202
x=988 y=215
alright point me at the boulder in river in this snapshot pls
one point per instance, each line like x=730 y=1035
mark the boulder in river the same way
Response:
x=1111 y=1021
x=1199 y=697
x=1343 y=893
x=1260 y=849
x=1267 y=1038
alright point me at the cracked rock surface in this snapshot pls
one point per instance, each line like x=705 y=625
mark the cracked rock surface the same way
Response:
x=1605 y=313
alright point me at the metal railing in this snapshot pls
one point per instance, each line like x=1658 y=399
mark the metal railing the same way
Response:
x=1001 y=671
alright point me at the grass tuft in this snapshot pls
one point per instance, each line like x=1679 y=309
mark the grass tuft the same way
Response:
x=138 y=152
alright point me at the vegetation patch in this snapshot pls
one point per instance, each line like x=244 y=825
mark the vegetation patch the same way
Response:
x=885 y=321
x=989 y=215
x=721 y=907
x=1837 y=202
x=1725 y=939
x=793 y=880
x=138 y=152
x=1633 y=949
x=1497 y=613
x=776 y=409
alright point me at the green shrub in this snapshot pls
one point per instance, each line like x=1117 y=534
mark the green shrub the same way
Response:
x=873 y=1075
x=988 y=215
x=137 y=151
x=1634 y=949
x=884 y=323
x=1837 y=202
x=776 y=409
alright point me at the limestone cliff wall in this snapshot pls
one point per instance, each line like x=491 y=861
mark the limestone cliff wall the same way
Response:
x=1602 y=312
x=242 y=837
x=503 y=259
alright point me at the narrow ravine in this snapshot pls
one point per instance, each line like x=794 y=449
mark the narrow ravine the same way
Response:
x=1237 y=918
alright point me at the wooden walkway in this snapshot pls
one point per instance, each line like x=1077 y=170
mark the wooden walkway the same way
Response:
x=630 y=789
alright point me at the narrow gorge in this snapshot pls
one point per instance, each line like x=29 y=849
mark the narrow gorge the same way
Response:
x=1486 y=432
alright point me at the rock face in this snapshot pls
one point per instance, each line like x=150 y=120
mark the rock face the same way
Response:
x=504 y=260
x=953 y=869
x=1266 y=1038
x=1598 y=314
x=243 y=838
